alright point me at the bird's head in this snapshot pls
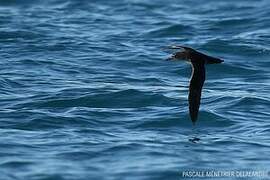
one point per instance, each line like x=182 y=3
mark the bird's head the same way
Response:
x=184 y=54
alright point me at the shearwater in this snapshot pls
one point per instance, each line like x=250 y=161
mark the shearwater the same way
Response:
x=198 y=61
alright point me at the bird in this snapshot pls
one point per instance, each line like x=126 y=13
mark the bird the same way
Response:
x=198 y=61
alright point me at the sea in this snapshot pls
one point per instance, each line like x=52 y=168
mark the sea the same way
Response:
x=86 y=92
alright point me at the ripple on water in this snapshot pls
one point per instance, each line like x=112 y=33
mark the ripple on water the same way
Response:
x=170 y=31
x=119 y=99
x=86 y=92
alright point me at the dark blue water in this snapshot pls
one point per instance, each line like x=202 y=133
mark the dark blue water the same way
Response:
x=86 y=93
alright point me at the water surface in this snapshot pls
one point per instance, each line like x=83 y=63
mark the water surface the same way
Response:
x=86 y=92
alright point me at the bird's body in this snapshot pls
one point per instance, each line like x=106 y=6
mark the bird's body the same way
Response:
x=198 y=61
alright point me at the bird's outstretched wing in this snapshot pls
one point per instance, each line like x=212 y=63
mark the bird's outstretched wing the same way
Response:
x=194 y=99
x=189 y=53
x=195 y=90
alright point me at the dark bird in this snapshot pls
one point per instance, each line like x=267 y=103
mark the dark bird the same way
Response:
x=198 y=60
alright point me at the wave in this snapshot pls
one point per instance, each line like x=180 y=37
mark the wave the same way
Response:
x=179 y=118
x=248 y=102
x=176 y=30
x=119 y=99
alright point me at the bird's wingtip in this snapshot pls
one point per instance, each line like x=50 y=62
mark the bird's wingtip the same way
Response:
x=194 y=122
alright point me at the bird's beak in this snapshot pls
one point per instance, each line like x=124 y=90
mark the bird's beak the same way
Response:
x=180 y=55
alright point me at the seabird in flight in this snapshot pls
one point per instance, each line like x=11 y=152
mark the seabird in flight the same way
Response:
x=197 y=60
